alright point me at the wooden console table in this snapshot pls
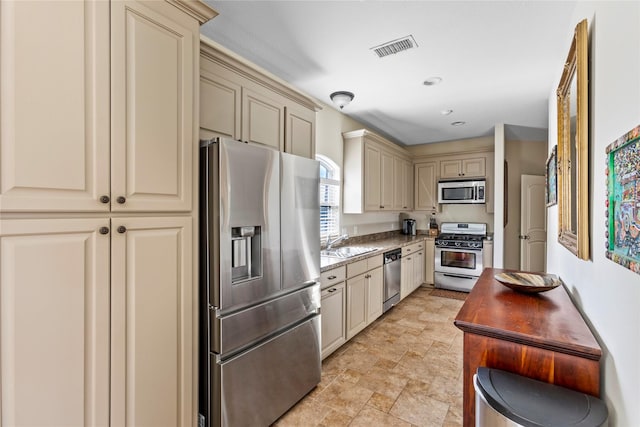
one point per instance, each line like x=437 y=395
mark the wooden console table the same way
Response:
x=541 y=336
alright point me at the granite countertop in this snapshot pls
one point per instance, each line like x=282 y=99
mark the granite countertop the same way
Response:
x=383 y=245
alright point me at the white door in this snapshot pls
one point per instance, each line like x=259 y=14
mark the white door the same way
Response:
x=533 y=227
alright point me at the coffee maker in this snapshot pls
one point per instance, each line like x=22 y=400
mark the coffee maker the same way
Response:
x=409 y=227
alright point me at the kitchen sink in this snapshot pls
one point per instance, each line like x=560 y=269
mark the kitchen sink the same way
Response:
x=346 y=251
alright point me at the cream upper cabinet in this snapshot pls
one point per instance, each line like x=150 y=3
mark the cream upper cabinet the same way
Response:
x=463 y=168
x=262 y=119
x=98 y=115
x=407 y=186
x=152 y=370
x=220 y=106
x=372 y=178
x=398 y=190
x=387 y=180
x=54 y=312
x=300 y=131
x=54 y=106
x=374 y=174
x=240 y=101
x=154 y=54
x=114 y=85
x=426 y=196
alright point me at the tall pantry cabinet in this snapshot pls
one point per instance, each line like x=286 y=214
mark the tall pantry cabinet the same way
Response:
x=98 y=146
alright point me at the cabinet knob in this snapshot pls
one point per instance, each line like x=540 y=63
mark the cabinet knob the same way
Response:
x=381 y=207
x=121 y=200
x=332 y=290
x=122 y=229
x=104 y=199
x=104 y=230
x=408 y=259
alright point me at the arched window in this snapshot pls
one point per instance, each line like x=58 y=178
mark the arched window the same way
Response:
x=329 y=197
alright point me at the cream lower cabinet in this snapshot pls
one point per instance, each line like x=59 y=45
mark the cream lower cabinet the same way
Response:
x=429 y=261
x=54 y=317
x=375 y=290
x=333 y=301
x=96 y=322
x=364 y=294
x=356 y=305
x=364 y=300
x=412 y=268
x=152 y=288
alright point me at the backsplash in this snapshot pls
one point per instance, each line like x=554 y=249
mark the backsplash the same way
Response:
x=374 y=223
x=451 y=213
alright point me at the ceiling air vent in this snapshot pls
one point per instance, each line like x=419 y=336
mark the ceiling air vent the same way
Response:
x=395 y=46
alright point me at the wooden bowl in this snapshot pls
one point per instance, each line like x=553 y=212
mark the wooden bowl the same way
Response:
x=529 y=283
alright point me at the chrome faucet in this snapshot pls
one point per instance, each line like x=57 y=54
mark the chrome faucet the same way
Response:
x=336 y=240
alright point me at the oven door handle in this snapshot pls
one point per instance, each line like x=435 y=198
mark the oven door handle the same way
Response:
x=459 y=276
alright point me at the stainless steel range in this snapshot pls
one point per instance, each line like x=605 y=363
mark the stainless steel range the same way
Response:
x=458 y=259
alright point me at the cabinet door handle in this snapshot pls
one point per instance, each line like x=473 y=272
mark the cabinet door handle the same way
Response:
x=332 y=290
x=381 y=207
x=104 y=199
x=122 y=229
x=104 y=230
x=121 y=200
x=408 y=259
x=331 y=277
x=367 y=276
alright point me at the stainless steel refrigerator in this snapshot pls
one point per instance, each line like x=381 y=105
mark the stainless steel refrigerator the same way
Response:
x=259 y=290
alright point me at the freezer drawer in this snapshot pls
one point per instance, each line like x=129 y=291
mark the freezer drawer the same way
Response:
x=256 y=387
x=239 y=330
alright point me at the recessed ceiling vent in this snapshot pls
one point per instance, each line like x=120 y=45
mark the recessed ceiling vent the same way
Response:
x=395 y=46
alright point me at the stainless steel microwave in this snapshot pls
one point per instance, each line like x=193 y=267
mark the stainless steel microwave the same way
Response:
x=461 y=191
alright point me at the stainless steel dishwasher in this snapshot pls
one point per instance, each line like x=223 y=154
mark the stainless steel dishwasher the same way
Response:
x=392 y=275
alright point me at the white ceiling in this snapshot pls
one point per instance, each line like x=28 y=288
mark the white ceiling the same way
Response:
x=498 y=60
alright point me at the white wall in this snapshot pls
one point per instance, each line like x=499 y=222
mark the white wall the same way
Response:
x=607 y=293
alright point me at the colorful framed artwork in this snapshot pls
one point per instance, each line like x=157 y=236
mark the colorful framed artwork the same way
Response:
x=551 y=178
x=623 y=200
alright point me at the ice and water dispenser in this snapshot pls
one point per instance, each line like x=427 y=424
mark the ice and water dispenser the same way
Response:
x=245 y=253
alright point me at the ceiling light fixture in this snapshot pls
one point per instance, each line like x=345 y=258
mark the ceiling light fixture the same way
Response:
x=446 y=112
x=458 y=123
x=341 y=98
x=432 y=81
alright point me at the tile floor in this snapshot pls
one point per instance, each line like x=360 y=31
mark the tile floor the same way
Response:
x=405 y=369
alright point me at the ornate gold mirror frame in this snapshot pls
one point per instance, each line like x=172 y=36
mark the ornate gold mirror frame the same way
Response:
x=573 y=148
